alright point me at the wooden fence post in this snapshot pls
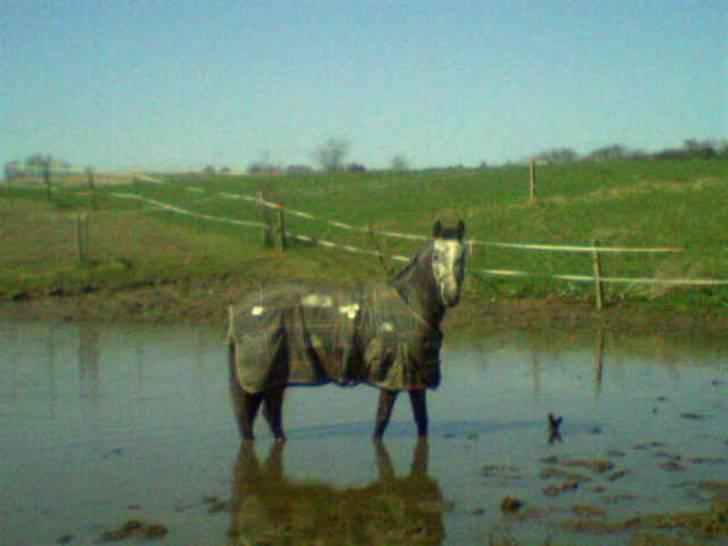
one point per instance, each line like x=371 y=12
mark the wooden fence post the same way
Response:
x=280 y=229
x=47 y=177
x=598 y=288
x=82 y=237
x=8 y=182
x=86 y=238
x=532 y=180
x=92 y=188
x=266 y=220
x=135 y=182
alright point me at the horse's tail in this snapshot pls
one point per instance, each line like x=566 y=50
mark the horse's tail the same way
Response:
x=230 y=340
x=230 y=336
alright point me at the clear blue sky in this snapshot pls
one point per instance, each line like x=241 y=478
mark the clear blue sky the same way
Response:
x=131 y=84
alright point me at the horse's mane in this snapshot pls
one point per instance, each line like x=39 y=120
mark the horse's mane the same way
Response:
x=414 y=261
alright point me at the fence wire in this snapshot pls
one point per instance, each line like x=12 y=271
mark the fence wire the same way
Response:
x=113 y=234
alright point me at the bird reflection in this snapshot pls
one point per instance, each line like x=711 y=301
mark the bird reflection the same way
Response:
x=269 y=508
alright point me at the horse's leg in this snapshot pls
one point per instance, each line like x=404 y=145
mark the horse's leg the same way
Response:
x=420 y=457
x=384 y=464
x=387 y=398
x=245 y=404
x=274 y=463
x=236 y=393
x=418 y=398
x=251 y=403
x=273 y=411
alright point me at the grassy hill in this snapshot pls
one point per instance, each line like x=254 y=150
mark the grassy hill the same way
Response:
x=630 y=203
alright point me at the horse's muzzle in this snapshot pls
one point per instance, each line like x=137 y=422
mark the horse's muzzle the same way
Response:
x=451 y=301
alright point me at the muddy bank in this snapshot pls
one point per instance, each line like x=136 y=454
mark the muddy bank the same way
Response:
x=206 y=303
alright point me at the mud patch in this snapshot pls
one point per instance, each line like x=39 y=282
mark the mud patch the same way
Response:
x=134 y=528
x=588 y=510
x=618 y=475
x=215 y=504
x=692 y=416
x=708 y=524
x=551 y=472
x=510 y=505
x=554 y=490
x=508 y=472
x=672 y=466
x=595 y=465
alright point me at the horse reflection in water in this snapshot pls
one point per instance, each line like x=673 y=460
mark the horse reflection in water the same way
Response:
x=268 y=508
x=386 y=335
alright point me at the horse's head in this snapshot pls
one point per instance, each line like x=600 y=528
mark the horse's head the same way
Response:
x=448 y=261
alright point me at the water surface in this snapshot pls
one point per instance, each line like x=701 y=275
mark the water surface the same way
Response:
x=106 y=424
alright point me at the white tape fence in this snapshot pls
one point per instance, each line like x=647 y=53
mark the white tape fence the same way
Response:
x=472 y=242
x=180 y=210
x=399 y=235
x=492 y=272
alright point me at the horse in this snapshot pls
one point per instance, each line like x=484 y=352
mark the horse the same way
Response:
x=386 y=335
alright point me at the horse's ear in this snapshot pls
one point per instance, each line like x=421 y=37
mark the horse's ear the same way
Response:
x=437 y=229
x=461 y=230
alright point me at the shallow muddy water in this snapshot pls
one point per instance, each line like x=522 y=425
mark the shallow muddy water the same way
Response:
x=113 y=426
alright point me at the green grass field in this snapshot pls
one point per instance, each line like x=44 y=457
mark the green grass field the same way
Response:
x=631 y=203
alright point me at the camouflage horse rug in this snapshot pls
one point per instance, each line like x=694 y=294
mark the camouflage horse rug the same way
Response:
x=300 y=335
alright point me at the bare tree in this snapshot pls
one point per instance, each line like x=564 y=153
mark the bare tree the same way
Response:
x=298 y=169
x=356 y=168
x=557 y=156
x=12 y=171
x=331 y=154
x=265 y=165
x=722 y=150
x=613 y=152
x=399 y=163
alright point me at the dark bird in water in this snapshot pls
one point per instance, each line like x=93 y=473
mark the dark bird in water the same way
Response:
x=554 y=424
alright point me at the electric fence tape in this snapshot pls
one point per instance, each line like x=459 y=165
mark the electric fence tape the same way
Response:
x=411 y=237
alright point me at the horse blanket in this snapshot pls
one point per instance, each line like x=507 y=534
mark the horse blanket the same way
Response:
x=298 y=335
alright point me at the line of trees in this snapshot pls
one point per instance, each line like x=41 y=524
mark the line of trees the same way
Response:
x=34 y=166
x=331 y=157
x=691 y=149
